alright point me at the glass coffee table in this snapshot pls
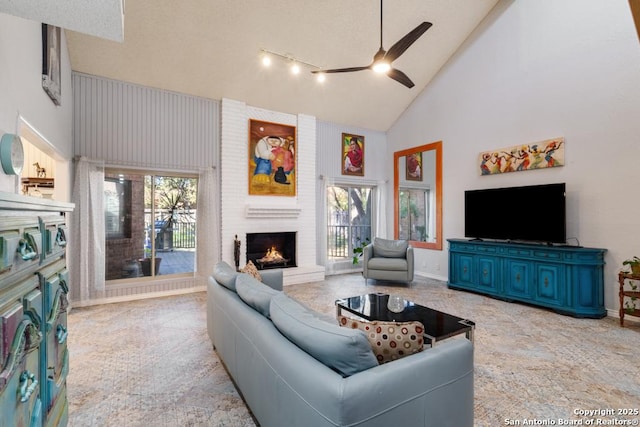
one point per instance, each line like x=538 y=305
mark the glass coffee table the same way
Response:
x=393 y=308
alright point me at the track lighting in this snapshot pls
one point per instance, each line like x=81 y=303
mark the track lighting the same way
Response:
x=266 y=59
x=295 y=64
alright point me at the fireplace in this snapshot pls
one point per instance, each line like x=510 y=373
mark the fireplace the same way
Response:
x=272 y=250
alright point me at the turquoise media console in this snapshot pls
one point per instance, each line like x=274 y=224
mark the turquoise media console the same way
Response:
x=566 y=279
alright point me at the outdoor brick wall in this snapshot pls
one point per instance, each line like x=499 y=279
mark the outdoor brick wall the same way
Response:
x=121 y=251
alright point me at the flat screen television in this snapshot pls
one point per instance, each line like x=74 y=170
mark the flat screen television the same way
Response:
x=534 y=213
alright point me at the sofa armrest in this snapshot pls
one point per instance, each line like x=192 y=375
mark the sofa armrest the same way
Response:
x=367 y=254
x=439 y=381
x=272 y=278
x=410 y=263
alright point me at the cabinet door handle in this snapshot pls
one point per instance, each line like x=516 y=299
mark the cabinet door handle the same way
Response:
x=61 y=334
x=26 y=250
x=546 y=282
x=61 y=239
x=484 y=272
x=517 y=277
x=464 y=270
x=26 y=389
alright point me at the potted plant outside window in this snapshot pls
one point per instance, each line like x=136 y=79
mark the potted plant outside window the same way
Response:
x=145 y=263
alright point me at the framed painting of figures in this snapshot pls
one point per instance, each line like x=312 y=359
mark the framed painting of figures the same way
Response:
x=272 y=159
x=352 y=154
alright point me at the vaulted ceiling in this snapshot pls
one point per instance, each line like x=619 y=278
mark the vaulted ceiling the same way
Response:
x=211 y=48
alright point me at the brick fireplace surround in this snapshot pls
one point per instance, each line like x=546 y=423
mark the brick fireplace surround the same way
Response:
x=242 y=214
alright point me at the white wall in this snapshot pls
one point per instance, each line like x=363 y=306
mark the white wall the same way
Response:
x=22 y=93
x=269 y=213
x=328 y=163
x=536 y=70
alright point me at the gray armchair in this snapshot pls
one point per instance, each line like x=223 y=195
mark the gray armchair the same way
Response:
x=388 y=260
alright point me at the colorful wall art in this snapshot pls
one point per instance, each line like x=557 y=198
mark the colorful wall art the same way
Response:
x=272 y=159
x=538 y=155
x=352 y=154
x=414 y=167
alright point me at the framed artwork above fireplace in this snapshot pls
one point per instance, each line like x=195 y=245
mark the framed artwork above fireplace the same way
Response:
x=272 y=159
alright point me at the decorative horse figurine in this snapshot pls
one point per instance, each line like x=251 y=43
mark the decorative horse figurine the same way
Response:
x=40 y=172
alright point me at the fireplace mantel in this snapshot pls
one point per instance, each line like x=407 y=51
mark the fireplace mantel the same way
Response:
x=272 y=212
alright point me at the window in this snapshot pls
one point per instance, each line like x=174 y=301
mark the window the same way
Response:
x=414 y=210
x=349 y=211
x=150 y=224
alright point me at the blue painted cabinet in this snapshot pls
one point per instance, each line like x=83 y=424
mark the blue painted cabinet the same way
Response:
x=566 y=279
x=33 y=302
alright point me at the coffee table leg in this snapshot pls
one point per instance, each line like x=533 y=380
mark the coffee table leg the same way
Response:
x=469 y=333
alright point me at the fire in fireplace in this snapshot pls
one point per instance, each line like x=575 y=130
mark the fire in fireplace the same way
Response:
x=272 y=250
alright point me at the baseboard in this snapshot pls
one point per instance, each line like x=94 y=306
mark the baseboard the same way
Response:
x=303 y=274
x=616 y=314
x=431 y=276
x=135 y=297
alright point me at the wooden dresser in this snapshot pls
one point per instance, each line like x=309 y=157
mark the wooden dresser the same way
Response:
x=34 y=360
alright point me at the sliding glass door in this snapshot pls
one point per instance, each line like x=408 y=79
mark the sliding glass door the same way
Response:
x=150 y=224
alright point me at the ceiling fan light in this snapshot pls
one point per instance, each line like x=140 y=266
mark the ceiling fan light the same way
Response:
x=266 y=59
x=295 y=68
x=381 y=67
x=321 y=77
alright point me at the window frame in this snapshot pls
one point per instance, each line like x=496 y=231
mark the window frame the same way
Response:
x=373 y=189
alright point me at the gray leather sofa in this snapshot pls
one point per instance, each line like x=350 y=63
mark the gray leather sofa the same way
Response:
x=388 y=260
x=320 y=374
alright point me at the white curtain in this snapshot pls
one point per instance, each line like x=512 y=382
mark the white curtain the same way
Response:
x=381 y=210
x=87 y=242
x=208 y=225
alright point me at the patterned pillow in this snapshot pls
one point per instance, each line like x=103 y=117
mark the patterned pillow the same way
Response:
x=251 y=270
x=389 y=340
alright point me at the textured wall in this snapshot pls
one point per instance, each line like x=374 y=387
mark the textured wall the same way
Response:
x=131 y=125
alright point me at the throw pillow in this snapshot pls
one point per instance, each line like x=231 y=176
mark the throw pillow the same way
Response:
x=255 y=293
x=389 y=340
x=390 y=248
x=251 y=270
x=346 y=351
x=225 y=275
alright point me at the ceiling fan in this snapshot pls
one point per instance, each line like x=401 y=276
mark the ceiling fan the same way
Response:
x=382 y=59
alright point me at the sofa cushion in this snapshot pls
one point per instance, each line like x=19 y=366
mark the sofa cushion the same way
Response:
x=389 y=340
x=225 y=275
x=392 y=264
x=390 y=248
x=251 y=270
x=344 y=350
x=256 y=294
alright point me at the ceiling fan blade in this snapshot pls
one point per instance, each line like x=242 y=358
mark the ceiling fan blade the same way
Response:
x=403 y=44
x=342 y=70
x=400 y=77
